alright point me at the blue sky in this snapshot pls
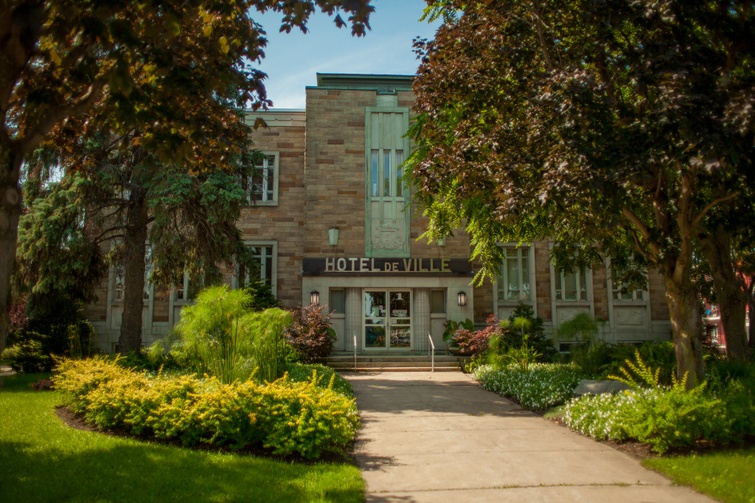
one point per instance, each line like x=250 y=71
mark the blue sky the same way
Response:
x=293 y=60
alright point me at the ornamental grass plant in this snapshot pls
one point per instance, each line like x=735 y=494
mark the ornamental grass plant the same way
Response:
x=222 y=337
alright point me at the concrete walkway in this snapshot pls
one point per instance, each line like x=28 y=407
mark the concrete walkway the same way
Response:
x=438 y=437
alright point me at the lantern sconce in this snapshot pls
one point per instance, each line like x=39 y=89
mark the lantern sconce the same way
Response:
x=333 y=236
x=314 y=298
x=442 y=241
x=461 y=299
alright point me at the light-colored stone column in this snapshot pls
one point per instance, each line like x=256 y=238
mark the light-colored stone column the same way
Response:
x=353 y=317
x=421 y=318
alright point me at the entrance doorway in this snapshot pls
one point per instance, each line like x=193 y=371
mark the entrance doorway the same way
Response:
x=387 y=319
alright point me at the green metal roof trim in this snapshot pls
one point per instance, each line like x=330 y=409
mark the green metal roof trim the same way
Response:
x=365 y=81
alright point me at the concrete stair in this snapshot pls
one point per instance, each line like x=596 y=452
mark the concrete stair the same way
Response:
x=394 y=362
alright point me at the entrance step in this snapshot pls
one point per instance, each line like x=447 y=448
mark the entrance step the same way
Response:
x=394 y=363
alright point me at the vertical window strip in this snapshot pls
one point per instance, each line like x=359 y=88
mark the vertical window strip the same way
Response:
x=375 y=172
x=387 y=173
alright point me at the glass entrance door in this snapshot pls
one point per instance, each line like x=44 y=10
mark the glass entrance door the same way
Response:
x=388 y=319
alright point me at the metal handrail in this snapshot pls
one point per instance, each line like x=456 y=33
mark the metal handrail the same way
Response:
x=432 y=352
x=355 y=352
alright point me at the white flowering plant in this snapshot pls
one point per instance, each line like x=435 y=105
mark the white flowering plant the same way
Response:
x=539 y=386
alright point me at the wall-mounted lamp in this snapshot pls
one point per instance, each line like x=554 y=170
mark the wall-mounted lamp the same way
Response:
x=314 y=298
x=461 y=299
x=333 y=236
x=442 y=241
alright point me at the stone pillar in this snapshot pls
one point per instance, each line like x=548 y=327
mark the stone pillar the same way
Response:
x=421 y=318
x=353 y=325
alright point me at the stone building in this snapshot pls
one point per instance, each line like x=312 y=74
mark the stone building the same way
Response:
x=332 y=223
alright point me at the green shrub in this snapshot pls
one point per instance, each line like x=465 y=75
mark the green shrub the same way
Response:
x=305 y=418
x=662 y=416
x=310 y=333
x=659 y=355
x=29 y=355
x=519 y=339
x=734 y=383
x=539 y=387
x=326 y=376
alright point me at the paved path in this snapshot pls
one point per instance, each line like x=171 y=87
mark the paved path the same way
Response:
x=438 y=437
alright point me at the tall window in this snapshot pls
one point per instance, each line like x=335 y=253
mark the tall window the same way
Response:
x=119 y=280
x=571 y=286
x=262 y=188
x=264 y=266
x=386 y=171
x=514 y=280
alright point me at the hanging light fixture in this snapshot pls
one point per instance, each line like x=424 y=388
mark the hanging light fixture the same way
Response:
x=461 y=299
x=314 y=297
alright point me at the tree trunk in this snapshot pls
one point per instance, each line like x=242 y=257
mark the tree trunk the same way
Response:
x=731 y=297
x=135 y=244
x=684 y=312
x=10 y=212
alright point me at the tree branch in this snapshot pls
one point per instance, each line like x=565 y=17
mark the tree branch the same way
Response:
x=537 y=14
x=696 y=221
x=52 y=117
x=643 y=229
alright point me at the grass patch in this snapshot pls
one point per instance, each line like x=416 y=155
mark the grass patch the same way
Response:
x=725 y=475
x=41 y=459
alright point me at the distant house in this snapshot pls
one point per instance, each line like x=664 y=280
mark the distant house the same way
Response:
x=332 y=222
x=715 y=335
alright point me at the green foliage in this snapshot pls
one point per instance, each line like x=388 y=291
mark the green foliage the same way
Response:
x=666 y=417
x=452 y=326
x=599 y=359
x=310 y=333
x=55 y=326
x=641 y=375
x=305 y=418
x=28 y=355
x=518 y=340
x=539 y=386
x=261 y=295
x=582 y=328
x=325 y=376
x=221 y=337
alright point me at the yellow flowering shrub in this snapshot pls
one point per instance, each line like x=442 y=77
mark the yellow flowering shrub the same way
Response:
x=287 y=417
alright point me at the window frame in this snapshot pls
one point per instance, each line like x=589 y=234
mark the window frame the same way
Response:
x=249 y=185
x=583 y=278
x=236 y=280
x=523 y=252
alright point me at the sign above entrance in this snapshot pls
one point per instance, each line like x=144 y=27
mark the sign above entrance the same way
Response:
x=362 y=266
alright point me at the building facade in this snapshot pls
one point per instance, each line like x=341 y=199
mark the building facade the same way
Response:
x=332 y=222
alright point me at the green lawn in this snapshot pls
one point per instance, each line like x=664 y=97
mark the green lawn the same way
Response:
x=41 y=459
x=726 y=475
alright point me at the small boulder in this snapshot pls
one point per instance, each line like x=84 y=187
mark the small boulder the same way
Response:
x=598 y=387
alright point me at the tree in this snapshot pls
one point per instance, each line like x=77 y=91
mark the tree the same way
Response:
x=59 y=58
x=595 y=123
x=116 y=198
